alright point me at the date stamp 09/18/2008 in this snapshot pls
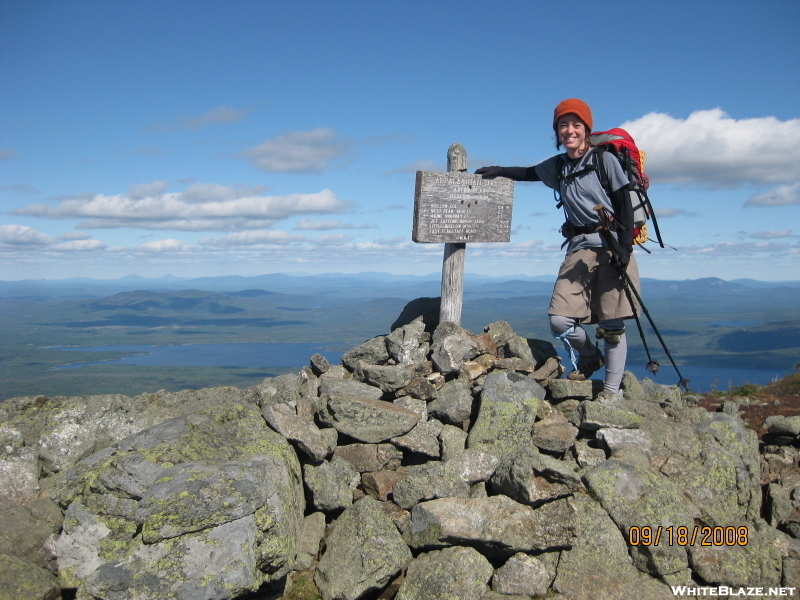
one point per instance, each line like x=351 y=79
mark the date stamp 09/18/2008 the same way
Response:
x=684 y=536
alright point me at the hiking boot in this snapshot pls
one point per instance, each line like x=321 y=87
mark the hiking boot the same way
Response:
x=586 y=366
x=609 y=398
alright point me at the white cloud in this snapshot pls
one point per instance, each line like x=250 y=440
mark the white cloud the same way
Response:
x=771 y=235
x=325 y=224
x=168 y=245
x=666 y=212
x=201 y=207
x=22 y=235
x=710 y=148
x=254 y=238
x=746 y=249
x=218 y=114
x=80 y=246
x=75 y=235
x=299 y=151
x=331 y=239
x=782 y=195
x=145 y=190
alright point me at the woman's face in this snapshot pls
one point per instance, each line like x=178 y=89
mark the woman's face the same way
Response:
x=572 y=135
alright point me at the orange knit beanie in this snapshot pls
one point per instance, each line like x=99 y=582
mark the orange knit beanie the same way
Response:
x=574 y=106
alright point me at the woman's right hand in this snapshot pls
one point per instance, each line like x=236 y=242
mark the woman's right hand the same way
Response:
x=489 y=172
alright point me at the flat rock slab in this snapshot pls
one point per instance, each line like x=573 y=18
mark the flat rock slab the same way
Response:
x=497 y=524
x=509 y=404
x=598 y=566
x=566 y=388
x=371 y=421
x=370 y=457
x=197 y=495
x=634 y=496
x=364 y=551
x=592 y=416
x=456 y=572
x=554 y=433
x=314 y=442
x=22 y=580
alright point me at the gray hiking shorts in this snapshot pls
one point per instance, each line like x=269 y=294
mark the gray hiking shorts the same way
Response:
x=590 y=289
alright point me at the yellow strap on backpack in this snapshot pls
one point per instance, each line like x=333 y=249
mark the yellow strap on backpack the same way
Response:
x=641 y=238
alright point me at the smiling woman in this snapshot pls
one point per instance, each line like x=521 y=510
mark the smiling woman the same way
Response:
x=595 y=280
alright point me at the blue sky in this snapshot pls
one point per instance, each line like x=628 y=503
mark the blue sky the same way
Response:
x=211 y=138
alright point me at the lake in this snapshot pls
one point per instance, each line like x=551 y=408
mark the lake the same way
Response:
x=248 y=356
x=264 y=355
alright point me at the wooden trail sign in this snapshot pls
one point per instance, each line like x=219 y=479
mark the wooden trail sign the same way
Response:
x=456 y=208
x=461 y=208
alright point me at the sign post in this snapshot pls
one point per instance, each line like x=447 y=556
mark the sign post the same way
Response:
x=456 y=208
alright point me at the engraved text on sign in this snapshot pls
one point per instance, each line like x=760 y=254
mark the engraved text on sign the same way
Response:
x=460 y=208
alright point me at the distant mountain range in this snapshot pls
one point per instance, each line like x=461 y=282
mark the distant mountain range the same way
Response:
x=346 y=287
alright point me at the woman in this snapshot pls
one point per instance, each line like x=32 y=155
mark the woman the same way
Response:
x=589 y=286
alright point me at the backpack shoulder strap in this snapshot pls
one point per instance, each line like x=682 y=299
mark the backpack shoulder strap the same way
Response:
x=559 y=178
x=602 y=174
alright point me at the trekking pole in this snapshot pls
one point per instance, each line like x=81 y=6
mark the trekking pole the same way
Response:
x=613 y=246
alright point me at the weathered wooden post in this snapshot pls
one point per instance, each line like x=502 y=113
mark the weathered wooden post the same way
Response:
x=454 y=253
x=456 y=208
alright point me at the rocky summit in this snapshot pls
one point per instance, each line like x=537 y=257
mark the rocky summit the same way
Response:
x=427 y=465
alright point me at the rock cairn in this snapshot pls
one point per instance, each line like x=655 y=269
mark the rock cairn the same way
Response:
x=428 y=464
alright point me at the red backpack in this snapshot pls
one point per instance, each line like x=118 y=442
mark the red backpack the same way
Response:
x=620 y=143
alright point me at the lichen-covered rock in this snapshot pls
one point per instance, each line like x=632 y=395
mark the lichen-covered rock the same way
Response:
x=370 y=421
x=592 y=416
x=598 y=566
x=371 y=352
x=451 y=346
x=453 y=439
x=370 y=457
x=532 y=478
x=422 y=439
x=331 y=484
x=405 y=343
x=634 y=496
x=566 y=388
x=217 y=494
x=363 y=552
x=508 y=408
x=428 y=481
x=24 y=530
x=497 y=525
x=22 y=580
x=554 y=433
x=657 y=392
x=758 y=562
x=196 y=495
x=284 y=389
x=66 y=429
x=317 y=444
x=616 y=440
x=391 y=378
x=456 y=572
x=472 y=465
x=453 y=402
x=311 y=535
x=349 y=388
x=522 y=574
x=19 y=474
